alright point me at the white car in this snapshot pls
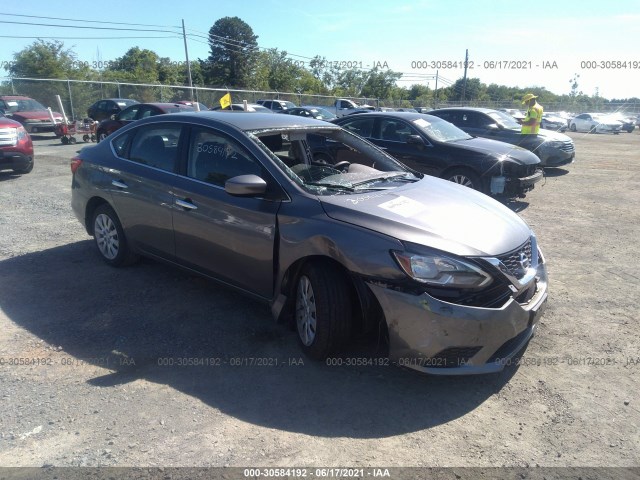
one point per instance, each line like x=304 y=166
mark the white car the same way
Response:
x=594 y=123
x=552 y=121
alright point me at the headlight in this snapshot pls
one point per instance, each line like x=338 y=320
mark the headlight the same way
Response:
x=442 y=271
x=21 y=133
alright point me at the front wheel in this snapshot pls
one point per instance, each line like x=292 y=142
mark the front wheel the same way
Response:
x=101 y=136
x=109 y=237
x=573 y=127
x=26 y=169
x=323 y=310
x=464 y=177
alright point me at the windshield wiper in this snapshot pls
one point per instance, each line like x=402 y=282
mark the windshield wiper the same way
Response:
x=395 y=176
x=336 y=186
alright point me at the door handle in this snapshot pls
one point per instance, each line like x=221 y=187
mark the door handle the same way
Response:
x=119 y=184
x=186 y=204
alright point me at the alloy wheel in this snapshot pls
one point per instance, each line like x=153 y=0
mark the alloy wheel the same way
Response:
x=306 y=319
x=106 y=235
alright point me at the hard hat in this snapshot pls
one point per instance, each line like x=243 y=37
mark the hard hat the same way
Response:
x=528 y=97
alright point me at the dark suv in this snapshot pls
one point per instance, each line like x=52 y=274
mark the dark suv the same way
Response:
x=16 y=148
x=277 y=105
x=103 y=109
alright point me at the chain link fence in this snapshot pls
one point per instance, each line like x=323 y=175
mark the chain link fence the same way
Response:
x=78 y=95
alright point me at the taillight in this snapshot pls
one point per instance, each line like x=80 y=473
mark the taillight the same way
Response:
x=75 y=164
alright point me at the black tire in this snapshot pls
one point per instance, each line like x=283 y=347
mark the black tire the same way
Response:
x=573 y=127
x=466 y=177
x=65 y=140
x=323 y=310
x=593 y=129
x=100 y=136
x=26 y=169
x=109 y=237
x=72 y=140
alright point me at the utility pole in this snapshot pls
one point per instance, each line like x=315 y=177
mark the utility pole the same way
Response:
x=464 y=81
x=435 y=96
x=186 y=54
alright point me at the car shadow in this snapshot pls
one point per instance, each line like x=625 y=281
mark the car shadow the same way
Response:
x=8 y=175
x=157 y=323
x=555 y=172
x=517 y=205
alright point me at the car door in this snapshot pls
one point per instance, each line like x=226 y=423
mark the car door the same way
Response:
x=393 y=135
x=227 y=237
x=141 y=185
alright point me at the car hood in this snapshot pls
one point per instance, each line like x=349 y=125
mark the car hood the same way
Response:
x=548 y=135
x=435 y=213
x=495 y=148
x=37 y=115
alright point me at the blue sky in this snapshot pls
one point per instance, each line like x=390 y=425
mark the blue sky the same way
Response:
x=561 y=35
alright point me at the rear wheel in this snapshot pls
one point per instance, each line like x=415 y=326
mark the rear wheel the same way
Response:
x=109 y=237
x=101 y=136
x=323 y=310
x=573 y=127
x=465 y=177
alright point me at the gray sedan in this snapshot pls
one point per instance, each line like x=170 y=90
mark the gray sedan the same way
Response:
x=450 y=280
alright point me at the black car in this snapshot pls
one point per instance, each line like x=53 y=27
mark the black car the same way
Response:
x=312 y=112
x=277 y=105
x=433 y=146
x=103 y=109
x=554 y=149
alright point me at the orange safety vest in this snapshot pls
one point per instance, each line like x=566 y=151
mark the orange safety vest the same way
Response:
x=533 y=113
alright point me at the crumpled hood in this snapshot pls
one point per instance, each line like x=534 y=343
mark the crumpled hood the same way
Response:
x=494 y=148
x=435 y=213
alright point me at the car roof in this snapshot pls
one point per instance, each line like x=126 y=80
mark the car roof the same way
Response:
x=15 y=97
x=404 y=115
x=469 y=109
x=255 y=121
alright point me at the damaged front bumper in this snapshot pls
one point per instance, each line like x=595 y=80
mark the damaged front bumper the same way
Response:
x=438 y=337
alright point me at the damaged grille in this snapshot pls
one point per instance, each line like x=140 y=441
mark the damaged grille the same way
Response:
x=518 y=261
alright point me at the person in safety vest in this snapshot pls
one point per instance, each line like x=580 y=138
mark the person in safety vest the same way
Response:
x=531 y=122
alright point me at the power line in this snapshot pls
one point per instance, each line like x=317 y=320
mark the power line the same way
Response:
x=87 y=27
x=87 y=21
x=80 y=38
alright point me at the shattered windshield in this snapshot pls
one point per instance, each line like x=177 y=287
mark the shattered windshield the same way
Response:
x=332 y=161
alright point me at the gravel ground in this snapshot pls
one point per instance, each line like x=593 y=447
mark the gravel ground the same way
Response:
x=105 y=387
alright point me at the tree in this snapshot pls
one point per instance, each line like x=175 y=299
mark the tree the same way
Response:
x=234 y=51
x=45 y=60
x=380 y=83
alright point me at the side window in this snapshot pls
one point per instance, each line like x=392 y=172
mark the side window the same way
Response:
x=215 y=158
x=129 y=113
x=146 y=111
x=360 y=126
x=156 y=146
x=121 y=142
x=395 y=130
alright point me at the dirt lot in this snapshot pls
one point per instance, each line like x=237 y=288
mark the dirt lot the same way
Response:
x=104 y=386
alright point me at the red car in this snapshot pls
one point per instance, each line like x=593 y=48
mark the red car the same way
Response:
x=31 y=114
x=16 y=148
x=136 y=112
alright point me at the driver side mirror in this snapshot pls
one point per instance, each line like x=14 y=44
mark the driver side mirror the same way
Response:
x=245 y=185
x=415 y=140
